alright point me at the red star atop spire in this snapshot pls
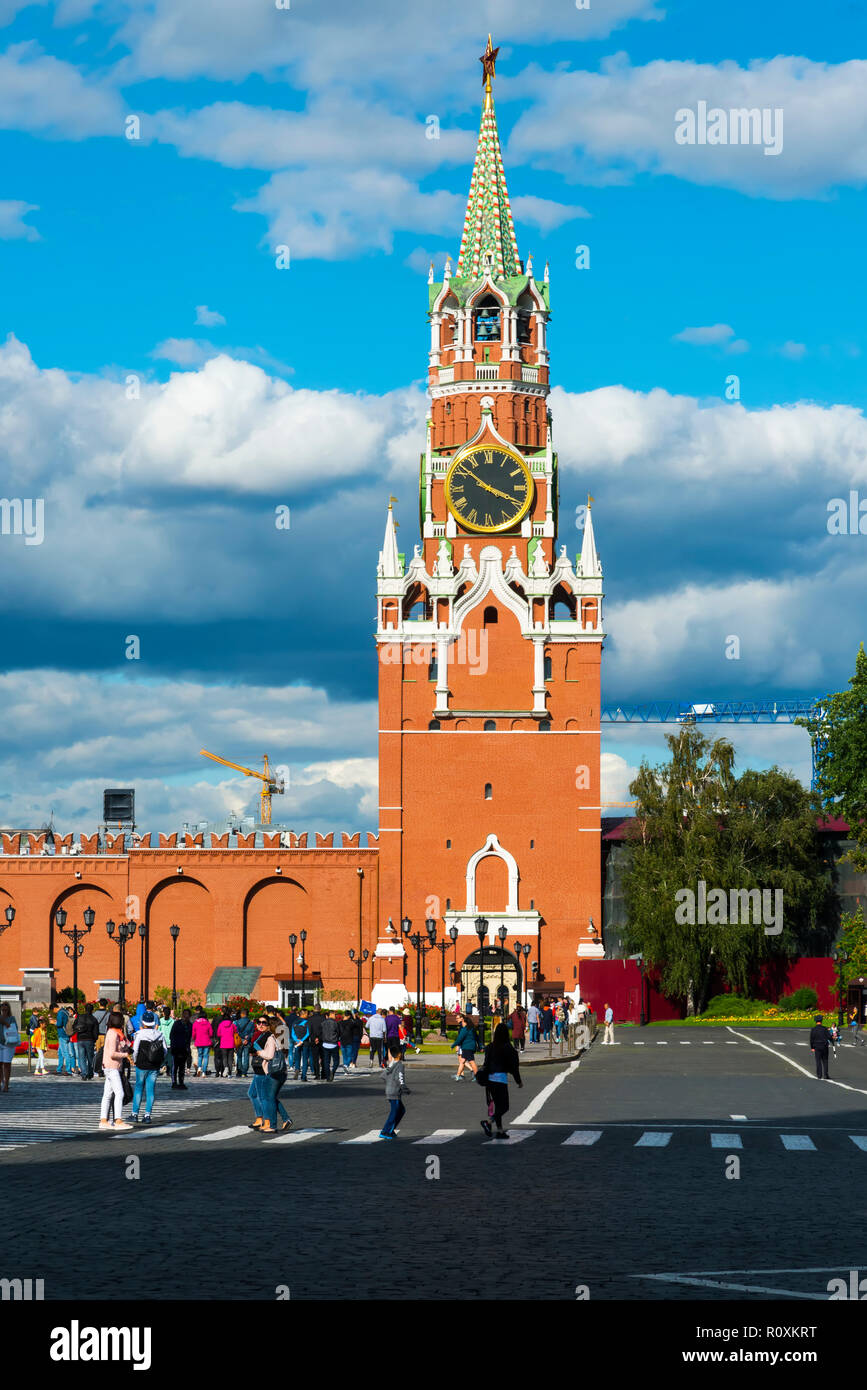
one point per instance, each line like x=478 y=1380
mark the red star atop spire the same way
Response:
x=488 y=61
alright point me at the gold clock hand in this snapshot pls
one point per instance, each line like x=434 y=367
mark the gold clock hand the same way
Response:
x=494 y=490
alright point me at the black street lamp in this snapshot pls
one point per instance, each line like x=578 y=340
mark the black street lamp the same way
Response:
x=840 y=958
x=143 y=931
x=518 y=948
x=502 y=934
x=406 y=928
x=293 y=941
x=642 y=1020
x=442 y=947
x=174 y=932
x=303 y=966
x=526 y=955
x=9 y=914
x=481 y=933
x=359 y=960
x=124 y=931
x=74 y=949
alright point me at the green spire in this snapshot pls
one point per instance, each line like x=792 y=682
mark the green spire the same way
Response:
x=488 y=227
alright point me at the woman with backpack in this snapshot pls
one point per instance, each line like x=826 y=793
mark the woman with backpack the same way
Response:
x=148 y=1054
x=501 y=1062
x=466 y=1045
x=271 y=1079
x=203 y=1040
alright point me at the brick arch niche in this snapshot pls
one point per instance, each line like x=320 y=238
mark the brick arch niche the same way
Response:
x=186 y=902
x=274 y=908
x=99 y=958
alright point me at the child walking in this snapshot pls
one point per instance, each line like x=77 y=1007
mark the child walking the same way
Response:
x=39 y=1043
x=395 y=1088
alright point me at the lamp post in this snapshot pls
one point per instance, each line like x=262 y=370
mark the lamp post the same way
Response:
x=481 y=933
x=406 y=928
x=9 y=914
x=502 y=934
x=518 y=949
x=124 y=930
x=359 y=961
x=143 y=931
x=74 y=948
x=442 y=947
x=642 y=1020
x=174 y=932
x=293 y=939
x=526 y=956
x=303 y=966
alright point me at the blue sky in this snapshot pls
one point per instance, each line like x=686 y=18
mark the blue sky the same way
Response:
x=154 y=260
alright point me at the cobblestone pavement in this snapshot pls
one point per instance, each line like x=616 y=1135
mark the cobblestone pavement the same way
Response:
x=620 y=1158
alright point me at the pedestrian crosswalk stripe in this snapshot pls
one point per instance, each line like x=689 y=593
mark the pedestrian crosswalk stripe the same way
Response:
x=729 y=1043
x=725 y=1141
x=220 y=1134
x=683 y=1042
x=370 y=1137
x=662 y=1044
x=653 y=1139
x=638 y=1044
x=860 y=1141
x=777 y=1044
x=296 y=1136
x=584 y=1136
x=149 y=1131
x=516 y=1136
x=441 y=1136
x=737 y=1117
x=797 y=1141
x=707 y=1043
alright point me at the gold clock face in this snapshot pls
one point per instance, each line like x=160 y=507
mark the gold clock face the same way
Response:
x=488 y=489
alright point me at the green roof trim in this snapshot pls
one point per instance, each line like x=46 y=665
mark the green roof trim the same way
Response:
x=513 y=286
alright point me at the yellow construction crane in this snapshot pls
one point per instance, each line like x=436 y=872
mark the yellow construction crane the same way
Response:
x=274 y=786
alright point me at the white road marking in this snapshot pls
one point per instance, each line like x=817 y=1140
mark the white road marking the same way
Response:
x=296 y=1136
x=220 y=1134
x=725 y=1141
x=860 y=1141
x=741 y=1288
x=653 y=1139
x=662 y=1044
x=516 y=1136
x=148 y=1131
x=442 y=1136
x=706 y=1043
x=682 y=1043
x=371 y=1137
x=544 y=1095
x=584 y=1136
x=737 y=1117
x=797 y=1141
x=859 y=1090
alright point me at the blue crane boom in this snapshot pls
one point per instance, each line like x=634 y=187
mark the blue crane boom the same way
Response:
x=716 y=712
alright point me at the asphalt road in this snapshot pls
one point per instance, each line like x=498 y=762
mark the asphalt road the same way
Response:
x=616 y=1174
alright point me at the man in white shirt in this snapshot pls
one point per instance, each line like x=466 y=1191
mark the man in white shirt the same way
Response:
x=609 y=1025
x=534 y=1018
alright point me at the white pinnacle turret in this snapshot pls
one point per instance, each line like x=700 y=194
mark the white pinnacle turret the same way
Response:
x=389 y=560
x=590 y=566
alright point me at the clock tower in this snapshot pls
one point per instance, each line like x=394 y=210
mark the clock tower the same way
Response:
x=489 y=641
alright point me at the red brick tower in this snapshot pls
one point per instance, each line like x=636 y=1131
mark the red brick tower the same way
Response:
x=490 y=642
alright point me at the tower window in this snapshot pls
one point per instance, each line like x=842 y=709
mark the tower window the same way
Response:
x=549 y=668
x=448 y=904
x=523 y=326
x=448 y=844
x=490 y=726
x=448 y=407
x=434 y=724
x=489 y=794
x=487 y=319
x=432 y=669
x=491 y=616
x=544 y=726
x=532 y=844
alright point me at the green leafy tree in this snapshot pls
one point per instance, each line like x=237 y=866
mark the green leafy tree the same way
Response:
x=852 y=944
x=839 y=732
x=695 y=820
